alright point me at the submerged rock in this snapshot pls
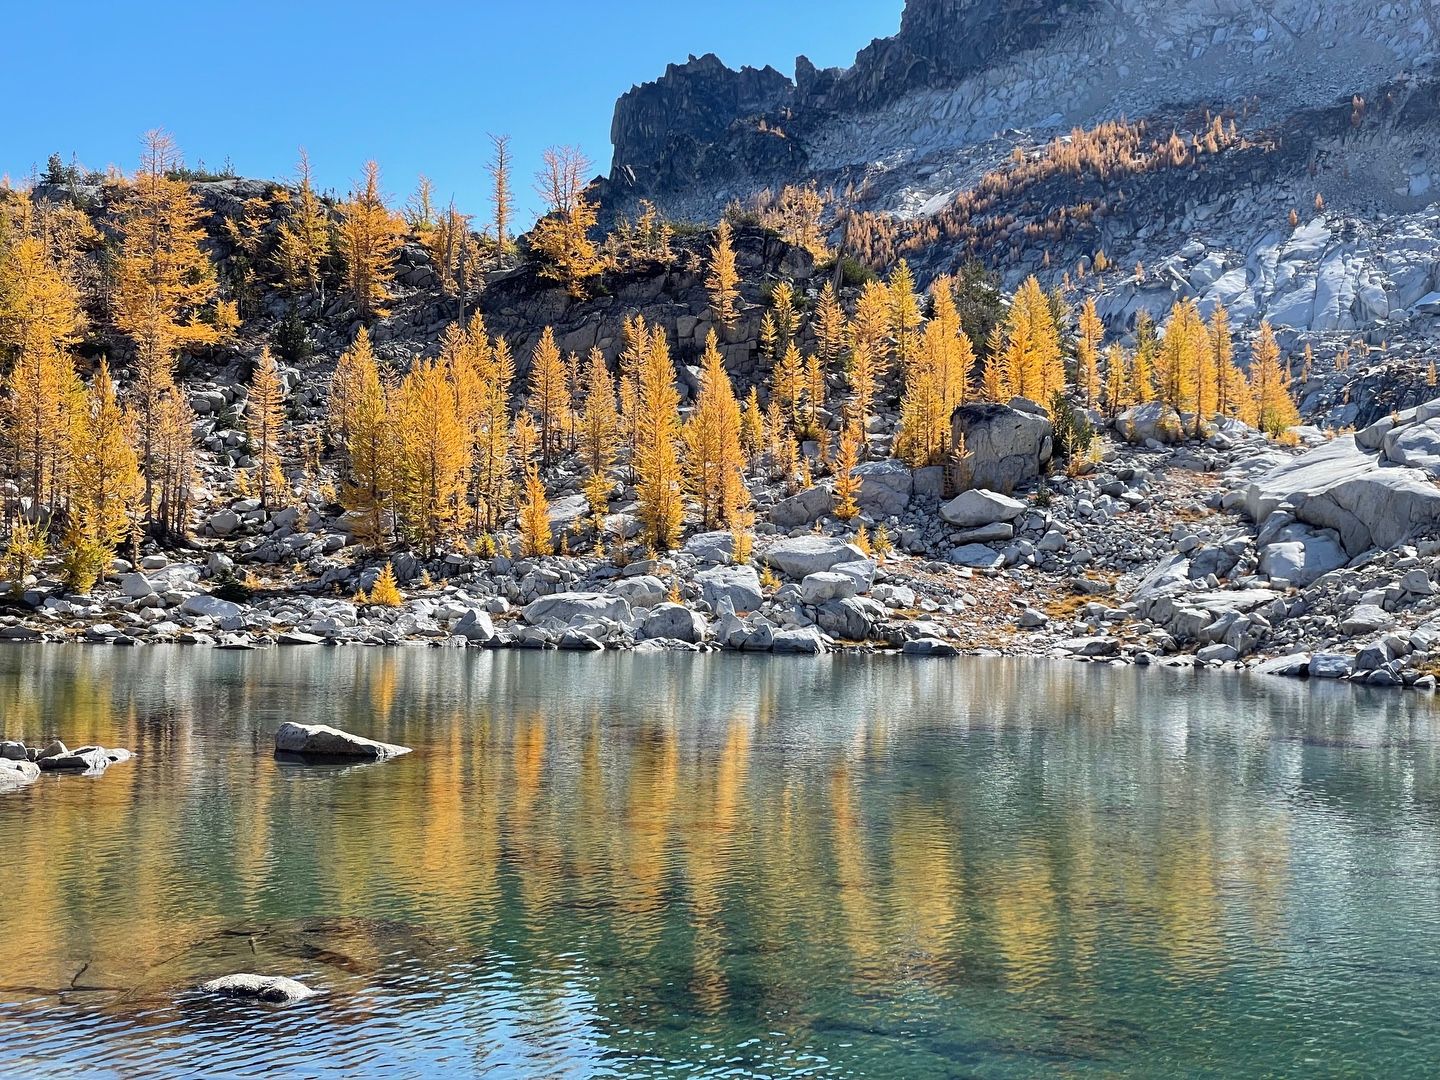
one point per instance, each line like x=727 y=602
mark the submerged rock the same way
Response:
x=275 y=989
x=320 y=741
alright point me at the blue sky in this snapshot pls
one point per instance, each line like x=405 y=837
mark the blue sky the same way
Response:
x=415 y=86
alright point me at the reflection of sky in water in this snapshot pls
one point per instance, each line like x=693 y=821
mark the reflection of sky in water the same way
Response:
x=641 y=865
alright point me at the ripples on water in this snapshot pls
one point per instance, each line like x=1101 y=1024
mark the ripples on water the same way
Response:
x=655 y=866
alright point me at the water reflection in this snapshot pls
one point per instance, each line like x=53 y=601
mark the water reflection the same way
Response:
x=633 y=864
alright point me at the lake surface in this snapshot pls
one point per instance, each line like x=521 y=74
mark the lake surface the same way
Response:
x=611 y=865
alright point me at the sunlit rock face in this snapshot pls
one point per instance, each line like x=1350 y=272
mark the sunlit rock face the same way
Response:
x=961 y=72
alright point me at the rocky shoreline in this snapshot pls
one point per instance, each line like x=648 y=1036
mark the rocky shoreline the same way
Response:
x=1226 y=551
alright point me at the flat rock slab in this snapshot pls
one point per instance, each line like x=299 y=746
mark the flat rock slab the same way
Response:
x=274 y=989
x=317 y=741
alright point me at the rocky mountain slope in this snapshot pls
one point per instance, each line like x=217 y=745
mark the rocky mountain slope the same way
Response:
x=1036 y=135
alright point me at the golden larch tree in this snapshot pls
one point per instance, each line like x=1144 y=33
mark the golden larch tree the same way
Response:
x=904 y=314
x=549 y=393
x=658 y=475
x=502 y=200
x=265 y=425
x=847 y=484
x=1087 y=352
x=1274 y=408
x=163 y=283
x=534 y=517
x=370 y=238
x=492 y=449
x=434 y=456
x=599 y=431
x=723 y=280
x=831 y=328
x=714 y=458
x=106 y=485
x=561 y=239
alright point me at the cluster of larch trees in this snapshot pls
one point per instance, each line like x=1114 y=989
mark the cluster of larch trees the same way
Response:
x=438 y=456
x=454 y=449
x=888 y=340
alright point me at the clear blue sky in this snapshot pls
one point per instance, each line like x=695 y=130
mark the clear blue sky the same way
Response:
x=414 y=85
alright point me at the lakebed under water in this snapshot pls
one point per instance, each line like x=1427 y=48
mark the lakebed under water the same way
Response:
x=619 y=865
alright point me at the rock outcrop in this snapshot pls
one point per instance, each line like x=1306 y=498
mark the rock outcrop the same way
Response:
x=1368 y=498
x=1005 y=446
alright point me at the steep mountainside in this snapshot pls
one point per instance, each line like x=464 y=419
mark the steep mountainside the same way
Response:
x=1276 y=156
x=963 y=72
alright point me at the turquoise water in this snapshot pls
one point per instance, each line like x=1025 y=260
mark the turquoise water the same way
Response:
x=609 y=865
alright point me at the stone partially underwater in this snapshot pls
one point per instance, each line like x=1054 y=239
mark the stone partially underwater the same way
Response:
x=320 y=743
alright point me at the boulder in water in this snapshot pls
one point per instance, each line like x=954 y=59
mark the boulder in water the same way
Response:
x=320 y=741
x=274 y=989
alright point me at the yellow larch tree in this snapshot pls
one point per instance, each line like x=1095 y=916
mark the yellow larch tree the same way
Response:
x=370 y=238
x=847 y=484
x=265 y=425
x=561 y=239
x=660 y=507
x=356 y=391
x=163 y=282
x=1034 y=361
x=385 y=592
x=492 y=466
x=549 y=393
x=502 y=200
x=904 y=314
x=534 y=516
x=599 y=432
x=864 y=384
x=946 y=349
x=1274 y=409
x=831 y=329
x=1142 y=368
x=1117 y=382
x=1232 y=392
x=714 y=459
x=723 y=279
x=1178 y=360
x=39 y=320
x=787 y=384
x=870 y=326
x=1087 y=352
x=924 y=423
x=106 y=485
x=173 y=463
x=815 y=396
x=433 y=459
x=303 y=238
x=752 y=426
